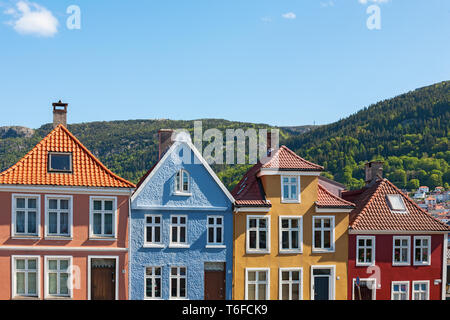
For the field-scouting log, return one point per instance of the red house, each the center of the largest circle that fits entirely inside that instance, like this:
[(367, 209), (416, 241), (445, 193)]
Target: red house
[(63, 223), (397, 251)]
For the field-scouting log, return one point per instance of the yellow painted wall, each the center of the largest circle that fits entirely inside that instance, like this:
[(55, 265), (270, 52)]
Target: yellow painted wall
[(274, 260)]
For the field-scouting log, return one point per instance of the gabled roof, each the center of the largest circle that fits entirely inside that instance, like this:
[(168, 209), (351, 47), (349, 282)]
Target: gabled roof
[(373, 213), (285, 159), (87, 170), (325, 199)]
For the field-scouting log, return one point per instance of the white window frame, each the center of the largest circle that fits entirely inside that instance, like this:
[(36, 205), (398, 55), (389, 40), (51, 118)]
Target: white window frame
[(427, 292), (214, 227), (332, 279), (178, 225), (290, 200), (14, 196), (115, 212), (181, 191), (247, 282), (374, 287), (365, 247), (400, 282), (422, 263), (401, 200), (332, 235), (290, 282), (300, 234), (247, 235), (38, 276), (47, 295), (153, 277), (49, 167), (178, 277), (58, 236), (153, 244), (407, 263)]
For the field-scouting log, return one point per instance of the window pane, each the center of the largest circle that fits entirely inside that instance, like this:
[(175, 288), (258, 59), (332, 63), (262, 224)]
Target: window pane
[(53, 265), (148, 288), (251, 291), (20, 264), (63, 265), (262, 223), (286, 191), (20, 222), (285, 275), (32, 283), (64, 223), (108, 205), (108, 224), (210, 235), (52, 283), (97, 223), (174, 287), (183, 271), (20, 203), (32, 264), (182, 234), (327, 239), (97, 205), (295, 244), (52, 222), (158, 271), (295, 292), (182, 220), (53, 204), (219, 235), (63, 287), (31, 203), (60, 162), (317, 223), (261, 291), (285, 240), (252, 223), (251, 276), (157, 234), (285, 291), (295, 275), (219, 220), (174, 219), (174, 234), (64, 204), (157, 220), (173, 271), (294, 191), (262, 240), (317, 239), (252, 242), (294, 223), (327, 223), (158, 288), (20, 283), (182, 287), (262, 276), (211, 220), (31, 222), (149, 234)]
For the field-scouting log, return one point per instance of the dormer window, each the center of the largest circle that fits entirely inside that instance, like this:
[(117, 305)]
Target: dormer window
[(182, 182), (59, 162), (396, 203)]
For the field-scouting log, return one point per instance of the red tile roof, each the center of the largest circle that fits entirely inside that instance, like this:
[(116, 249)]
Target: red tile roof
[(288, 160), (87, 170), (373, 213), (325, 199)]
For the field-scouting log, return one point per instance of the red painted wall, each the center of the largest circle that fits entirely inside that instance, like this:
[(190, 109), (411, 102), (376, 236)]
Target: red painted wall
[(389, 273), (80, 239)]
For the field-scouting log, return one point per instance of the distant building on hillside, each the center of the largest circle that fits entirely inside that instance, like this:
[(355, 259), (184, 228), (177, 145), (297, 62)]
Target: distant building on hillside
[(423, 189)]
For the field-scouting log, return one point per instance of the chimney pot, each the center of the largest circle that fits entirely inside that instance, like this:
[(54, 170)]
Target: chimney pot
[(59, 113), (374, 170)]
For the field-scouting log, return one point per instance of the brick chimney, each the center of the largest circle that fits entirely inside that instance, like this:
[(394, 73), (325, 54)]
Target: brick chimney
[(165, 141), (59, 114), (374, 170), (272, 141)]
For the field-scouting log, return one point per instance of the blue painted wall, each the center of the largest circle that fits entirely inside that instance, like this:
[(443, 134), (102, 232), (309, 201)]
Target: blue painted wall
[(156, 197)]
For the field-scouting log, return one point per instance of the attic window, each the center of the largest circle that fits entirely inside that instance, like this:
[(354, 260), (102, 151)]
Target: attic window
[(59, 162), (396, 203)]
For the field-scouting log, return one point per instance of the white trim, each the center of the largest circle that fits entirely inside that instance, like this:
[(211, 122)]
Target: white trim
[(332, 235), (116, 258), (299, 193), (427, 282), (153, 225), (64, 189), (445, 262), (178, 208), (267, 270), (400, 282), (179, 225), (70, 218), (394, 232), (421, 263), (275, 172), (115, 212), (153, 277), (332, 210), (280, 282), (372, 263), (13, 216), (198, 155), (408, 262), (61, 248), (69, 281), (252, 209), (332, 280), (374, 287), (247, 235), (215, 226), (180, 182), (300, 236), (38, 275), (178, 277)]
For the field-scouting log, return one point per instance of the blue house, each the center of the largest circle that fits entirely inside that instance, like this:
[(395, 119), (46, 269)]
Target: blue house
[(181, 228)]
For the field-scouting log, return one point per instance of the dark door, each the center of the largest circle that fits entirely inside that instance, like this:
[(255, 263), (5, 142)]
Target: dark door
[(214, 282), (102, 282), (362, 292), (321, 288)]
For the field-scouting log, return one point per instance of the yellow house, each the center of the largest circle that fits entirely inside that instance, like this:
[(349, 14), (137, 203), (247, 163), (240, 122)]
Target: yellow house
[(290, 233)]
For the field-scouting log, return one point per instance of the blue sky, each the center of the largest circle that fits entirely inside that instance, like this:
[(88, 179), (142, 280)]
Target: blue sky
[(237, 59)]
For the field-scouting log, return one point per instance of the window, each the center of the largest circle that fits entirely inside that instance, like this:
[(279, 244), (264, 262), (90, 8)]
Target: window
[(401, 251), (25, 215), (396, 203), (58, 216), (153, 282), (290, 189), (215, 230), (59, 162), (258, 234), (25, 276), (182, 183), (290, 284), (257, 284), (422, 248), (366, 290), (103, 217), (290, 234), (400, 290), (178, 230), (153, 225), (323, 234), (420, 290), (365, 250), (57, 276), (178, 283)]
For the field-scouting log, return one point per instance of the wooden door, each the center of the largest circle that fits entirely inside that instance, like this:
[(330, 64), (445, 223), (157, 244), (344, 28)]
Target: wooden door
[(103, 283), (215, 284), (321, 288)]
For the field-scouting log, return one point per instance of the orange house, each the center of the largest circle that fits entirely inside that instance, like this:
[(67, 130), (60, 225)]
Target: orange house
[(63, 223)]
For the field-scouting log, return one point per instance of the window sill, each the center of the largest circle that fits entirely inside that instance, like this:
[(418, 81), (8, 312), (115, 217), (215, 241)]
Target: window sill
[(182, 194), (58, 298), (179, 246), (63, 238), (178, 299), (290, 201), (153, 299), (17, 237), (323, 251), (25, 298), (215, 246), (422, 264), (156, 246), (401, 264), (103, 238), (257, 252), (291, 251), (371, 264)]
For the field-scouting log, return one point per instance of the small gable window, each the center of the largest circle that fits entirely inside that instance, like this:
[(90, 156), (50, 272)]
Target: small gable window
[(59, 162), (182, 182), (396, 203)]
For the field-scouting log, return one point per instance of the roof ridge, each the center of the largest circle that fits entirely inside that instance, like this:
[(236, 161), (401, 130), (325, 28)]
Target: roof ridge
[(335, 196), (302, 159)]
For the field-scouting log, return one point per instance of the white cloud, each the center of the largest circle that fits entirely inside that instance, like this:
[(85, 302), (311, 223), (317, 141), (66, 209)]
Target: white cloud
[(374, 1), (289, 15), (32, 18)]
